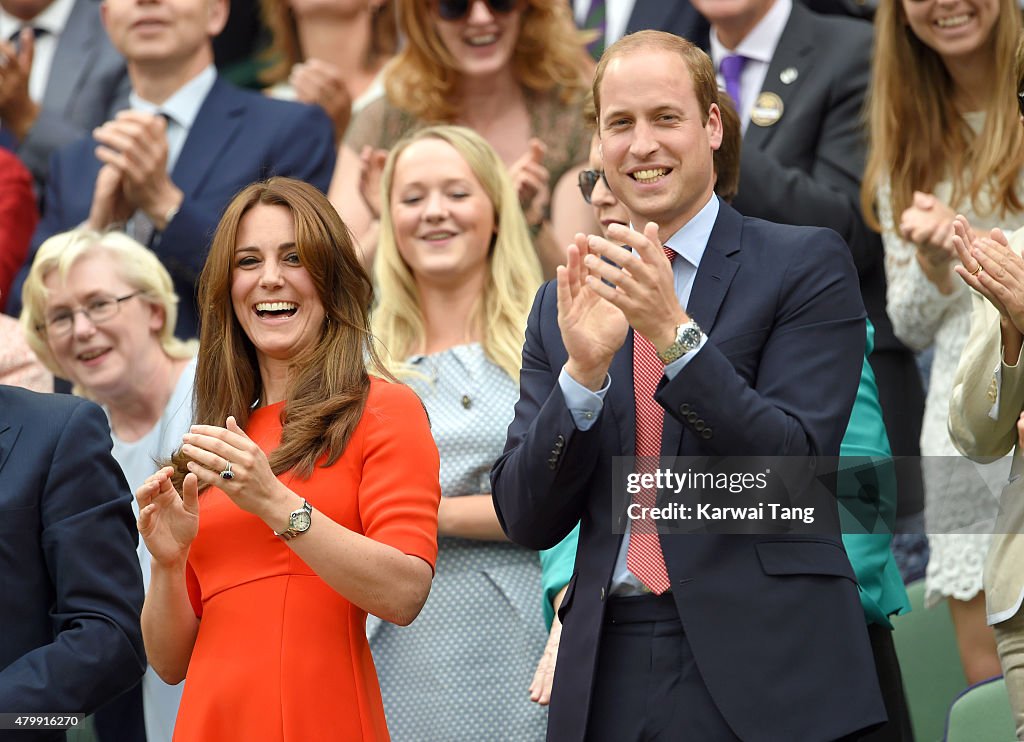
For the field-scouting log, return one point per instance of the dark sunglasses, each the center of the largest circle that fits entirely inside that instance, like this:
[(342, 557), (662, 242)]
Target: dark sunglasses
[(588, 179), (1020, 102), (454, 10)]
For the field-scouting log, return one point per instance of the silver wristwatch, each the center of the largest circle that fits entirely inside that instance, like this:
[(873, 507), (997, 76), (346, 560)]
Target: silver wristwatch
[(688, 337), (298, 522)]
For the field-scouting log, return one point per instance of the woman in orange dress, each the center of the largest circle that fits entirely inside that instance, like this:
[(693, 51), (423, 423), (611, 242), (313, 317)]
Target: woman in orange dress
[(308, 489)]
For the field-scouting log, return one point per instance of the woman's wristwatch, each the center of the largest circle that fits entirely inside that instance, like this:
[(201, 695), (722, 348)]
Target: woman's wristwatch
[(298, 522)]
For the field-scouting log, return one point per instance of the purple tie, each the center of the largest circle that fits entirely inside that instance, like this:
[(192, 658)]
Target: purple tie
[(731, 68)]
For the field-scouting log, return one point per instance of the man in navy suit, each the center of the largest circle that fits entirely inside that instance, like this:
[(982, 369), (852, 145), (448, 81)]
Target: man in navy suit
[(71, 587), (167, 168), (746, 340)]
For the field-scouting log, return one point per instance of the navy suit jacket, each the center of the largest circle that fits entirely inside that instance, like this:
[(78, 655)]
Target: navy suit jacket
[(238, 137), (674, 16), (70, 584), (88, 84), (774, 622)]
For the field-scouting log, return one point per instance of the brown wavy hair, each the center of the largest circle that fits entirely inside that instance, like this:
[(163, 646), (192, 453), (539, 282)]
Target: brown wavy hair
[(918, 138), (550, 54), (285, 51), (329, 381)]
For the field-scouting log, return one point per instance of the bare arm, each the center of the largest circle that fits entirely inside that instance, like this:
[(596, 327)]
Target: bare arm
[(469, 516), (169, 524)]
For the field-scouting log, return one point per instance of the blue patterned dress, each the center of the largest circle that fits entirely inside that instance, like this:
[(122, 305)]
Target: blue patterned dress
[(462, 670)]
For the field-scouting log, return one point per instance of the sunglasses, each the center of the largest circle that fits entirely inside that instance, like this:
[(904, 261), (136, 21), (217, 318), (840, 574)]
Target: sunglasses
[(1020, 102), (455, 10), (588, 179)]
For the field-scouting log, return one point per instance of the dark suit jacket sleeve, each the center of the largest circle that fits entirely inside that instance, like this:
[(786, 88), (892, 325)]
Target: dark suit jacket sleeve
[(88, 542), (538, 503), (807, 369), (827, 193), (52, 131), (303, 148)]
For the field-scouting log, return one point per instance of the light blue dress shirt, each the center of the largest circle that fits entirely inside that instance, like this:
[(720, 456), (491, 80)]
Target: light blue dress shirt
[(585, 405)]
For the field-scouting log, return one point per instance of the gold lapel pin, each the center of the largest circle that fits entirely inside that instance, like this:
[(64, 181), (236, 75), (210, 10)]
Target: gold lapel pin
[(767, 109)]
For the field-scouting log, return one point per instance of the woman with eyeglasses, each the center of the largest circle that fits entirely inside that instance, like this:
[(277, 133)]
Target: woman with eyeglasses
[(515, 71), (99, 310), (944, 140), (456, 275)]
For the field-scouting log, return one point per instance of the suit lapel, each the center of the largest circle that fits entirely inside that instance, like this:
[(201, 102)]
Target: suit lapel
[(795, 52), (78, 46), (717, 269), (216, 123), (8, 435)]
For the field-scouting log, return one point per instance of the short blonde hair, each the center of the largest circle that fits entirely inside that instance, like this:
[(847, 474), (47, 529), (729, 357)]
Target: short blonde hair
[(514, 272), (136, 265)]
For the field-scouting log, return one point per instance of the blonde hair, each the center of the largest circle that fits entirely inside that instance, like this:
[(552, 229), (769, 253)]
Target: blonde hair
[(549, 55), (917, 138), (514, 271), (138, 266)]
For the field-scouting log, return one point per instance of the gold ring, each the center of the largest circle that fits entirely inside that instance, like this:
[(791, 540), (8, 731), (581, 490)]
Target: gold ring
[(977, 270)]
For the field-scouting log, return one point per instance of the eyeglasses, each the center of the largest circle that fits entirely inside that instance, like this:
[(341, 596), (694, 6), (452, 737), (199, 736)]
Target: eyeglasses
[(588, 179), (98, 310), (455, 10)]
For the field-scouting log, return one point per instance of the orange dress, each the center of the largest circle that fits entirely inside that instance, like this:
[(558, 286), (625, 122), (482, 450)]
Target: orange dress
[(279, 654)]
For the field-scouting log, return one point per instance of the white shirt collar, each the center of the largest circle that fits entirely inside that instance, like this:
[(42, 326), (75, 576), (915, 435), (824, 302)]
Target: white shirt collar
[(763, 38), (53, 19), (183, 106)]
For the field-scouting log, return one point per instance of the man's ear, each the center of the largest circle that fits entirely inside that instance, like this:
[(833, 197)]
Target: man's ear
[(714, 126), (216, 16)]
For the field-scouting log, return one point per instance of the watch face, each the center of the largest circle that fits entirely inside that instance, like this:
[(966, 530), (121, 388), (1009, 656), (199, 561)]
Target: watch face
[(300, 520)]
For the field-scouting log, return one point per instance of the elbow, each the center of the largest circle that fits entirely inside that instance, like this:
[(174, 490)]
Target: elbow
[(405, 604), (169, 673)]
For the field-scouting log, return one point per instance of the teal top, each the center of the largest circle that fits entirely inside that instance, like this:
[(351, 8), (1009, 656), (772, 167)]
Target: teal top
[(867, 465)]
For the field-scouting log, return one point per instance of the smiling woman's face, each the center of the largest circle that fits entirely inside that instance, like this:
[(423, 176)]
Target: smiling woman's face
[(482, 42), (273, 295), (443, 217), (101, 356)]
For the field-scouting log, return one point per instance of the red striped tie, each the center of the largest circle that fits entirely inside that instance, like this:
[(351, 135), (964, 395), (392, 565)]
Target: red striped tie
[(643, 556)]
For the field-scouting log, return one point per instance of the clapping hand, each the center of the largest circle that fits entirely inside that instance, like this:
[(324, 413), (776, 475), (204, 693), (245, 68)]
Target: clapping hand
[(17, 109), (136, 144), (371, 170), (928, 223), (593, 329), (991, 267), (168, 522), (228, 459), (532, 182), (322, 84)]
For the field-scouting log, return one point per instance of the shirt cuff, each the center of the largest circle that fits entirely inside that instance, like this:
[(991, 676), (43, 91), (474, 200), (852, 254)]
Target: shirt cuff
[(584, 405)]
